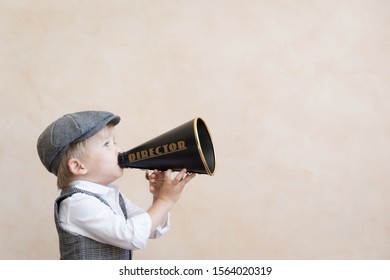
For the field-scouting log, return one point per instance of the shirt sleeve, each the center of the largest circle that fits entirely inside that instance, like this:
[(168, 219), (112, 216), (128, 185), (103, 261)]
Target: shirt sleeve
[(133, 209), (88, 216), (162, 230)]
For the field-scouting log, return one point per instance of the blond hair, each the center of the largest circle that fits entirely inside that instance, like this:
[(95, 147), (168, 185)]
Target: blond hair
[(64, 176)]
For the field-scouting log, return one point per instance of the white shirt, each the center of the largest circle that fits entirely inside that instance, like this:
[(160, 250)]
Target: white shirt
[(85, 215)]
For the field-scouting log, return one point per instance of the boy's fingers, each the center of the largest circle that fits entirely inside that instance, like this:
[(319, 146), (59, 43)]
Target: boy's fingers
[(189, 177), (168, 173), (179, 176)]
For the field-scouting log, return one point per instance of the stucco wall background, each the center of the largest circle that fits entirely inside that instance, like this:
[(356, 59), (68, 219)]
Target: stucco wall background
[(295, 93)]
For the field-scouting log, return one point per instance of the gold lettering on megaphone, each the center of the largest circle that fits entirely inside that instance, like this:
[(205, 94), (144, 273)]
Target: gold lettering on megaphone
[(157, 151)]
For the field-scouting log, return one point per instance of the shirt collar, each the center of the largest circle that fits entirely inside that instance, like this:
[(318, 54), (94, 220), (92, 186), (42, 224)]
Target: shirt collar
[(93, 187)]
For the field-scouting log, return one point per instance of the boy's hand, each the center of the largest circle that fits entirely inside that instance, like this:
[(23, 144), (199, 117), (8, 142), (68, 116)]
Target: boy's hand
[(166, 192), (162, 186), (171, 189), (156, 180)]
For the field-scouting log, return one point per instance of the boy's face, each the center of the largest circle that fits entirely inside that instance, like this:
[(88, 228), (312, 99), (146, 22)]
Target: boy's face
[(101, 157)]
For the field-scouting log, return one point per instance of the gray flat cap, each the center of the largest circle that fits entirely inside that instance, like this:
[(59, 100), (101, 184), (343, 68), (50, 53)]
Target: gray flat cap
[(70, 128)]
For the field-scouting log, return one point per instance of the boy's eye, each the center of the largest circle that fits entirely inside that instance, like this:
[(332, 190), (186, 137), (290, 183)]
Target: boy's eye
[(106, 144)]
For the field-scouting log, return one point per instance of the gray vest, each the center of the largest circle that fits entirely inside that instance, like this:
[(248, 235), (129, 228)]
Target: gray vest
[(77, 247)]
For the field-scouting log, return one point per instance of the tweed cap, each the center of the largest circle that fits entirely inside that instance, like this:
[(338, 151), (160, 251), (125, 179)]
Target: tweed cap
[(70, 128)]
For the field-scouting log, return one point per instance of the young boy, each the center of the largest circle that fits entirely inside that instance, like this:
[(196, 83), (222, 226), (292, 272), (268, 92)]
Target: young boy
[(93, 219)]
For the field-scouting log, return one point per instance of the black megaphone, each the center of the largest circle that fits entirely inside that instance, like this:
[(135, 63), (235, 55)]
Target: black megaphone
[(187, 146)]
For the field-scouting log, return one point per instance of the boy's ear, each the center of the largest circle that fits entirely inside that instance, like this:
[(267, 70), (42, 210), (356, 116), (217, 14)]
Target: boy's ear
[(76, 167)]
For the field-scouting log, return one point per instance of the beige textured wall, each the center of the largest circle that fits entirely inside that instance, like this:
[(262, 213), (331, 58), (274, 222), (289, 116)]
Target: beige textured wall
[(296, 95)]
